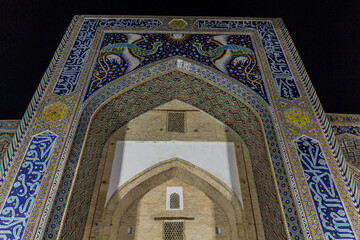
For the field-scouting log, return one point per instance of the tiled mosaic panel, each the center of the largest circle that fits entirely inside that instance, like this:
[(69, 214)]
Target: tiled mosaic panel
[(347, 134), (137, 101), (8, 125), (70, 74), (237, 24), (351, 150), (20, 201), (279, 67), (4, 144), (23, 124), (350, 147), (281, 175), (7, 131), (330, 210), (343, 118), (355, 172), (233, 55), (354, 130)]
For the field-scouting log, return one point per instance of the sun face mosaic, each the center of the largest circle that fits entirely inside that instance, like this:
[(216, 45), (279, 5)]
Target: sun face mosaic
[(247, 61)]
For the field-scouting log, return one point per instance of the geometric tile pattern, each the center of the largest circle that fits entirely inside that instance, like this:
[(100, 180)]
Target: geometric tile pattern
[(341, 119), (19, 204), (283, 67), (326, 197), (281, 71), (8, 125), (71, 71), (147, 96), (347, 187), (338, 129), (351, 149), (7, 132), (286, 85), (346, 128), (231, 54), (4, 144), (34, 103)]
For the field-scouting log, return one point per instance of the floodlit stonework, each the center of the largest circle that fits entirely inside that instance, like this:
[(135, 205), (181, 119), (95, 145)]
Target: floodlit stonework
[(219, 110)]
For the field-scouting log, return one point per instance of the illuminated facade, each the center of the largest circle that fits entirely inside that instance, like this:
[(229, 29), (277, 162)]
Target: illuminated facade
[(174, 127)]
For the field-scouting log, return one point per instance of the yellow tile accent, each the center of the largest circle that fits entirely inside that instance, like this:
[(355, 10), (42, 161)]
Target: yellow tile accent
[(297, 117), (178, 23), (54, 112)]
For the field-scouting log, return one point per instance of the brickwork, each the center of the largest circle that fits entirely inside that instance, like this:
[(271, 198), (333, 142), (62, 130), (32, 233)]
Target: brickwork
[(207, 215), (243, 72), (155, 92), (199, 127)]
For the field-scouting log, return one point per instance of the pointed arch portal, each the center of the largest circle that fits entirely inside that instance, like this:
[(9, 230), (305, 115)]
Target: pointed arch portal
[(160, 173), (149, 94)]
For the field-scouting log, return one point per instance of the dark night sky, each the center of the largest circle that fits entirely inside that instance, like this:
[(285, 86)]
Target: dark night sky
[(326, 35)]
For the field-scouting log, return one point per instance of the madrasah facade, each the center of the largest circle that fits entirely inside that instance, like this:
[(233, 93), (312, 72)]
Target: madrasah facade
[(178, 128)]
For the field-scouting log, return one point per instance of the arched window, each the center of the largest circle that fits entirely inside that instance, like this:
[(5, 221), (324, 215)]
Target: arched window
[(174, 198), (174, 201)]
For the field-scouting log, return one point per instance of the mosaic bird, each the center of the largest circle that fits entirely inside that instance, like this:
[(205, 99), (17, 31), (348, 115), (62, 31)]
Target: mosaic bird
[(223, 55), (131, 53)]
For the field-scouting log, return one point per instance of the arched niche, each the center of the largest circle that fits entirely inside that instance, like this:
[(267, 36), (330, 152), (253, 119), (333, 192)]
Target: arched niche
[(134, 102), (160, 173), (202, 132)]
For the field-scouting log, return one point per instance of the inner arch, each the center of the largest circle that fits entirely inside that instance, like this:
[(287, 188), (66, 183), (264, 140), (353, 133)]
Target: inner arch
[(194, 91), (182, 171)]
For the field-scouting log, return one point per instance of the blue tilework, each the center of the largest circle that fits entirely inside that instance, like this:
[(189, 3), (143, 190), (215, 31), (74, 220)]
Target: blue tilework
[(73, 66), (280, 69), (244, 93), (354, 130), (20, 202), (325, 125), (233, 56), (9, 124), (330, 210), (285, 84), (33, 105)]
